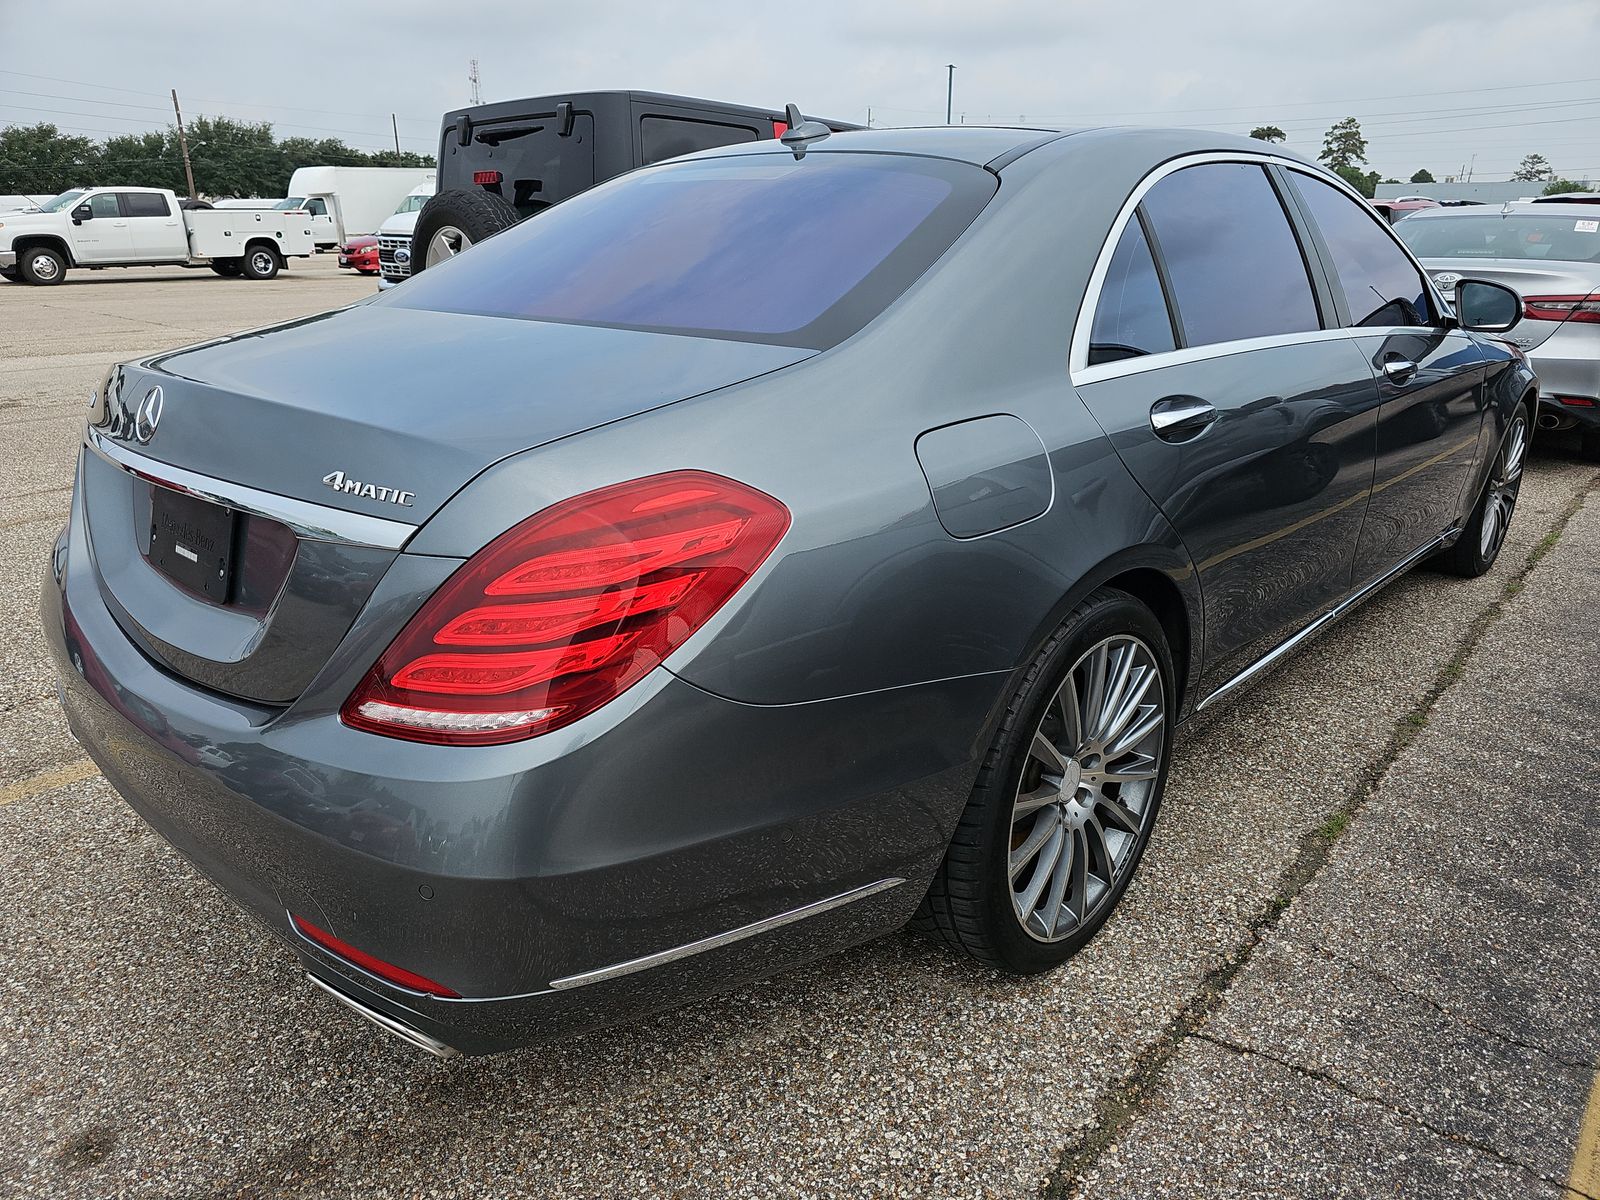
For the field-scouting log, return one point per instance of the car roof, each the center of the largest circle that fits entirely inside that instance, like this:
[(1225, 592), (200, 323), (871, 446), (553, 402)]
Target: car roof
[(1512, 208)]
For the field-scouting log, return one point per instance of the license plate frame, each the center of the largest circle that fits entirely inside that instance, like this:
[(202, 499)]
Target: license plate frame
[(192, 542)]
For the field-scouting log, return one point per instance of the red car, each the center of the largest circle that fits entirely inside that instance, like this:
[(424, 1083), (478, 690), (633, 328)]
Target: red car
[(361, 253)]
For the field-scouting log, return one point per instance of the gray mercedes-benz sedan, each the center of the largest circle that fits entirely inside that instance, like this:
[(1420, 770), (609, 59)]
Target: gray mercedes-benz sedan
[(759, 552)]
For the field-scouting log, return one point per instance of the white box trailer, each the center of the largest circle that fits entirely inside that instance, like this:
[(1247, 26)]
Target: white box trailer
[(130, 227), (346, 202)]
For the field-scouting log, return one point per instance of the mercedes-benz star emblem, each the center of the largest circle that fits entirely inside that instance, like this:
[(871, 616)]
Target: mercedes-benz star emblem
[(148, 416)]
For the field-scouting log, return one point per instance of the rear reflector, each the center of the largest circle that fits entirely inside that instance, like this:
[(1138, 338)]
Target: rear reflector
[(375, 966), (566, 611), (486, 177), (1577, 402), (1583, 309)]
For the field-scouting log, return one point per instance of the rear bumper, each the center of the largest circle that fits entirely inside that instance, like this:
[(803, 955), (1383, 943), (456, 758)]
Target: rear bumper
[(1568, 365), (560, 884)]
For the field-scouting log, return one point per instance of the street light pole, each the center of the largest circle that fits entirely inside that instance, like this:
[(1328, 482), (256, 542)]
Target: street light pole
[(949, 90)]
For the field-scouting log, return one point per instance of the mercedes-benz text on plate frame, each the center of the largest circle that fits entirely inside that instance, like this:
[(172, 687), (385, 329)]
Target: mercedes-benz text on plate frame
[(657, 661)]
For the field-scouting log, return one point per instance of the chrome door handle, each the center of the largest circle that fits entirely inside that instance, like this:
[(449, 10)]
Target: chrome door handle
[(1398, 369), (1179, 418)]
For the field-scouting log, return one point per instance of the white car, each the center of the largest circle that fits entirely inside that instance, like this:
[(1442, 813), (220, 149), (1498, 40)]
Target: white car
[(394, 237)]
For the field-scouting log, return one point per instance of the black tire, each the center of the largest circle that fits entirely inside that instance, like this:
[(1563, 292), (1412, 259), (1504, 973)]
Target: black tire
[(42, 266), (458, 218), (1484, 534), (228, 268), (260, 261), (1589, 444), (969, 904)]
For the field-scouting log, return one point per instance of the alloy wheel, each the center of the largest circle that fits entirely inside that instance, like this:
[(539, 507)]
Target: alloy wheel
[(1505, 479), (447, 243), (1085, 795)]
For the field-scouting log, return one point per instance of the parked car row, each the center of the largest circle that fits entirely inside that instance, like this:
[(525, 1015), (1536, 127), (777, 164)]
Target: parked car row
[(1550, 253)]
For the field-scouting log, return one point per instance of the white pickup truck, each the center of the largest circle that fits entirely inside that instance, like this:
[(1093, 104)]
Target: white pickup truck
[(128, 227)]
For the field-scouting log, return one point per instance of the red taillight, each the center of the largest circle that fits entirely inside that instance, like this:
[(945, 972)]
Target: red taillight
[(779, 128), (562, 613), (486, 177), (376, 966), (1583, 309)]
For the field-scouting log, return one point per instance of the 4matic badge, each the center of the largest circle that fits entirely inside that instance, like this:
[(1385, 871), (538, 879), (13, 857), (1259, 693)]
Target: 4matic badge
[(340, 482)]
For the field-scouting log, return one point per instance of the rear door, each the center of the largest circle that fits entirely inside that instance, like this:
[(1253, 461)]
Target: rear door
[(532, 160), (1248, 422), (1431, 379), (104, 237), (155, 228)]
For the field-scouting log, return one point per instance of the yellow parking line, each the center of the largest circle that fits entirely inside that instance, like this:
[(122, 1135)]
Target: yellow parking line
[(1585, 1177), (47, 781)]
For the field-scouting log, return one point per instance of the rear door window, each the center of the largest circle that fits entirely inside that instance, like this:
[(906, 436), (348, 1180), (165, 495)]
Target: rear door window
[(1231, 256), (760, 247), (1381, 286), (1130, 317), (668, 137), (144, 204)]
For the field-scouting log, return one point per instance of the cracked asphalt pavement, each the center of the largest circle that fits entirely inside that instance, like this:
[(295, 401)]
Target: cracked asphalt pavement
[(1359, 959)]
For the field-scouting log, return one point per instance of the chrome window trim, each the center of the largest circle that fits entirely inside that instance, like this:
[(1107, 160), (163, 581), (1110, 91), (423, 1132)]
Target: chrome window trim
[(1078, 366), (304, 519)]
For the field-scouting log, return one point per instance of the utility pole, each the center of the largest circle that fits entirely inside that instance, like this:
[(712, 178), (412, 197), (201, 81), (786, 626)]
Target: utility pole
[(477, 89), (869, 116), (395, 125), (949, 90), (183, 145)]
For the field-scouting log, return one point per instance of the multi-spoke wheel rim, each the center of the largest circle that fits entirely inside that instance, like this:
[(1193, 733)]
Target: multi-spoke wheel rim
[(1087, 788), (1504, 481), (447, 243)]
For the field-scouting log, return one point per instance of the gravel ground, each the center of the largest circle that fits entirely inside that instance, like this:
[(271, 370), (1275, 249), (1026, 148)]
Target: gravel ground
[(160, 1045), (1422, 1019)]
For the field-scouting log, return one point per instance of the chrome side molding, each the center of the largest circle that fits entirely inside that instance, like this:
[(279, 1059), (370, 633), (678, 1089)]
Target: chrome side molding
[(724, 939), (317, 522), (1283, 648), (411, 1037)]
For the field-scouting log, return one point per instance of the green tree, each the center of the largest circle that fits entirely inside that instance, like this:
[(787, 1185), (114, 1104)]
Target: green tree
[(1269, 133), (1559, 187), (402, 158), (1533, 167), (41, 160), (1343, 146), (141, 159), (1423, 176), (235, 158), (1365, 182)]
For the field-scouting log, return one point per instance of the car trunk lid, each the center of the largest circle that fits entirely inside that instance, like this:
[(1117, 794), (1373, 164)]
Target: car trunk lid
[(312, 449), (1529, 280)]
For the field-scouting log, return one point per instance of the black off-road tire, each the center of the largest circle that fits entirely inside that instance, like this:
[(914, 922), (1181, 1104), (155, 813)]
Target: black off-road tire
[(41, 266), (474, 213), (969, 905)]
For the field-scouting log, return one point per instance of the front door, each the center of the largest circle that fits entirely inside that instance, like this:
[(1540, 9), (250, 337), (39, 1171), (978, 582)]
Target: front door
[(1430, 378), (156, 229), (104, 237), (1247, 422)]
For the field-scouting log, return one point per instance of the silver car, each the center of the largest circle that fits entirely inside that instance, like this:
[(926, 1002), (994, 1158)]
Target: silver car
[(1550, 254)]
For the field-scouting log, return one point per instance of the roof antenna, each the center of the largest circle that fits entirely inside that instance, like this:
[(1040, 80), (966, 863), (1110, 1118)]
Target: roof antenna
[(801, 132)]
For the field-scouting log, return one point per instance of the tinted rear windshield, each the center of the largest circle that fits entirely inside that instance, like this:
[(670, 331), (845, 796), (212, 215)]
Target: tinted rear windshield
[(1560, 239), (760, 248)]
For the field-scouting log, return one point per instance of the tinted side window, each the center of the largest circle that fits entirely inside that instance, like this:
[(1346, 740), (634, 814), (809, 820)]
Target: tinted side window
[(144, 204), (104, 204), (668, 137), (1130, 317), (1380, 285), (1231, 256)]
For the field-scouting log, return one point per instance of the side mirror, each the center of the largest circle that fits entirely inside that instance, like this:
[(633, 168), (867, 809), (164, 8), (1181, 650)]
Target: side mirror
[(81, 214), (1487, 307)]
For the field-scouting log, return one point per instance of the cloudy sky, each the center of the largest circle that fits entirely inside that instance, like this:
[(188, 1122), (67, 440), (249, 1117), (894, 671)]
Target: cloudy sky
[(1434, 84)]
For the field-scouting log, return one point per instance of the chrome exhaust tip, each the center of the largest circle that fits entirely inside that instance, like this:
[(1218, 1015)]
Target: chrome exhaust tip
[(1549, 421), (411, 1037)]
